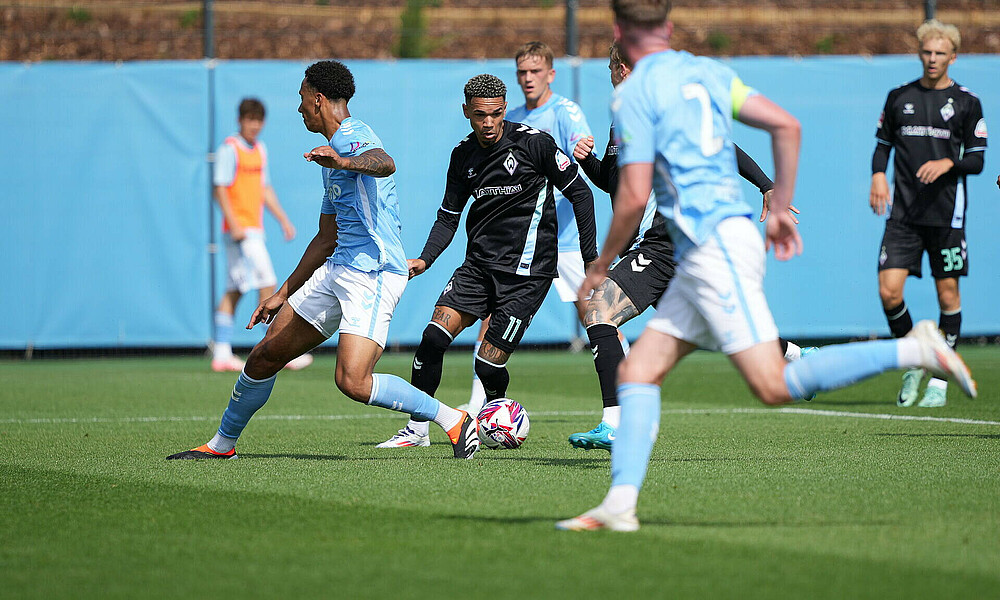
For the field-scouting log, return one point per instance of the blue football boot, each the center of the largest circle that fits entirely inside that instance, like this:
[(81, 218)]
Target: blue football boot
[(601, 437)]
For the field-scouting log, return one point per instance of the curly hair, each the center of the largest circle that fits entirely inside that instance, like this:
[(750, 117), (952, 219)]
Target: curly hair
[(332, 79), (485, 86), (644, 13)]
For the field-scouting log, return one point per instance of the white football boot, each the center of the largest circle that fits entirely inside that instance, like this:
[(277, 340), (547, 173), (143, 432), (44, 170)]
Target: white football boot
[(938, 357), (406, 438)]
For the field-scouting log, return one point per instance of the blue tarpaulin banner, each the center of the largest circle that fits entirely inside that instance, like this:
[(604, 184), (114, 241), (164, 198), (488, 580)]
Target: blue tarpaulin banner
[(104, 187)]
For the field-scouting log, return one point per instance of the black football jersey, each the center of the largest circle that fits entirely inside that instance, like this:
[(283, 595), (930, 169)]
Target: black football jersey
[(923, 125), (604, 174), (511, 224)]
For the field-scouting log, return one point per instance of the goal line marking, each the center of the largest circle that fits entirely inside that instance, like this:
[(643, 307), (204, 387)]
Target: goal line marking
[(540, 413)]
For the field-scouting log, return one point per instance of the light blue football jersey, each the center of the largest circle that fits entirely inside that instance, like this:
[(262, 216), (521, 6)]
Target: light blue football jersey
[(561, 118), (676, 111), (368, 229)]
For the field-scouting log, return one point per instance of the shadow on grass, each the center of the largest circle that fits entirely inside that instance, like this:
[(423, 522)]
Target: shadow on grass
[(667, 523), (981, 436), (602, 460), (298, 456)]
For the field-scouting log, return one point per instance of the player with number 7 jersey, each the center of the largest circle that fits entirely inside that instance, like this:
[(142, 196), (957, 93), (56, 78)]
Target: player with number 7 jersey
[(509, 170)]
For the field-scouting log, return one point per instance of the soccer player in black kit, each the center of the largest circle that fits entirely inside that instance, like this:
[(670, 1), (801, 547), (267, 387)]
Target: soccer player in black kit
[(938, 131), (640, 277), (509, 170)]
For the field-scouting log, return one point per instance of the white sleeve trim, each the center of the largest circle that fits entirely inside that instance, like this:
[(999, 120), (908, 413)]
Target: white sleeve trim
[(570, 181)]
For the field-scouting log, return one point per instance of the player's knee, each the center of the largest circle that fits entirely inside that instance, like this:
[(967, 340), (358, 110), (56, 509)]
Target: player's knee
[(949, 299), (494, 378), (434, 341), (264, 361), (891, 296), (771, 391), (356, 386)]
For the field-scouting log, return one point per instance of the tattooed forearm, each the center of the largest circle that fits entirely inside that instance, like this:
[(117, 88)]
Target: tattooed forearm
[(374, 162)]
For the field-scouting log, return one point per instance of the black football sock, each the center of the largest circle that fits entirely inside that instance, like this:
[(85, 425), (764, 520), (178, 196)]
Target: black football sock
[(425, 374), (495, 379), (608, 354), (950, 324), (899, 319)]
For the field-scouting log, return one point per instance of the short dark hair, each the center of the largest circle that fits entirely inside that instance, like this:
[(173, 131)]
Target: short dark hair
[(615, 54), (251, 108), (485, 86), (332, 79), (641, 12), (539, 49)]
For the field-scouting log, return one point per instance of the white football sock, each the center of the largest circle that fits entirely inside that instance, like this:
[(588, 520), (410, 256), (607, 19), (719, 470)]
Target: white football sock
[(793, 352), (937, 383), (447, 417), (420, 427), (221, 443), (621, 498), (909, 354), (222, 351), (612, 415)]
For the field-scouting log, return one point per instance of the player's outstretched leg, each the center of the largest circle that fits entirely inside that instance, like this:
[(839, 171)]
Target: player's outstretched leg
[(832, 367), (288, 337)]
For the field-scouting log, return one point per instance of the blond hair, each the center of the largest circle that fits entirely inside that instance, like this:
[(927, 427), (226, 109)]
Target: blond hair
[(539, 49), (935, 29)]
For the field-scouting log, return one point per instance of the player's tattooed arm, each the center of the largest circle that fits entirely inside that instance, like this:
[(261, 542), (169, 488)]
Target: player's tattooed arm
[(609, 304), (374, 162)]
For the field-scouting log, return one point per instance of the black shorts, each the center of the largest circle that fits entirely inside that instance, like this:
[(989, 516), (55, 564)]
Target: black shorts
[(644, 273), (511, 300), (903, 247)]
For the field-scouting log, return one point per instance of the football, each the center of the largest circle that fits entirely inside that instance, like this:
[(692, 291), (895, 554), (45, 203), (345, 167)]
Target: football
[(503, 423)]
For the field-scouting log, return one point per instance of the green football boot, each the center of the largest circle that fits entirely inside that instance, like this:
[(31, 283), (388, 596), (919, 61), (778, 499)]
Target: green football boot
[(934, 397), (911, 387)]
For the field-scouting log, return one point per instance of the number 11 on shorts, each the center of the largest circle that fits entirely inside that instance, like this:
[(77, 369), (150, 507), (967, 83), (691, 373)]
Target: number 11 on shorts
[(512, 328)]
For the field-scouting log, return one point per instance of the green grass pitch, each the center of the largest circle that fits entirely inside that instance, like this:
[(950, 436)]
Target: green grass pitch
[(740, 500)]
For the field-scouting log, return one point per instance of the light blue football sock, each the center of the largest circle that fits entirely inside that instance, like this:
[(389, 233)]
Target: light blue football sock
[(248, 396), (640, 424), (833, 367), (394, 393), (223, 327)]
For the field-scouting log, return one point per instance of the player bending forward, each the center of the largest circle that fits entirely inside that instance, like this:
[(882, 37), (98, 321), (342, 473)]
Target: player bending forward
[(674, 121), (640, 278), (349, 278), (509, 169)]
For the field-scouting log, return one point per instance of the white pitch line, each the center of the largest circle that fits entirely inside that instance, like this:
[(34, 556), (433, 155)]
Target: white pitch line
[(540, 413)]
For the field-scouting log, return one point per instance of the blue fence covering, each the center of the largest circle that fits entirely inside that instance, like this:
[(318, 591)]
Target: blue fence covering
[(105, 190)]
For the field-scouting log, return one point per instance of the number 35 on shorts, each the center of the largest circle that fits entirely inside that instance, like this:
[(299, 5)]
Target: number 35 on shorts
[(953, 259)]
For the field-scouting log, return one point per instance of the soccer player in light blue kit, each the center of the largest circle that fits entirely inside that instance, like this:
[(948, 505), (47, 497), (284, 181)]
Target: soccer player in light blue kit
[(674, 121), (350, 278)]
